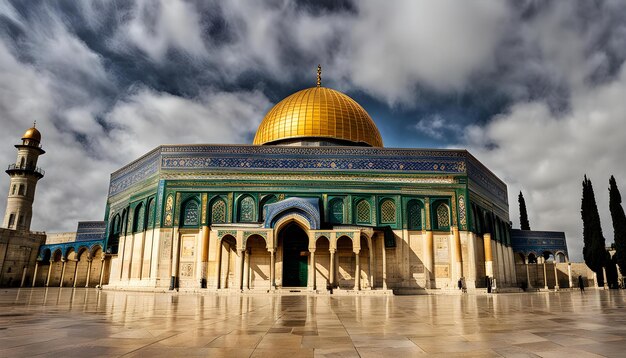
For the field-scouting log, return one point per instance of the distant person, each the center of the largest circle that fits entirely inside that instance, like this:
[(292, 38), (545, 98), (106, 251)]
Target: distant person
[(460, 283), (463, 285), (581, 284)]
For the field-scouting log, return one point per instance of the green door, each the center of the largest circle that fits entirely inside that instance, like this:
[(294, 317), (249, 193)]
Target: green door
[(295, 257)]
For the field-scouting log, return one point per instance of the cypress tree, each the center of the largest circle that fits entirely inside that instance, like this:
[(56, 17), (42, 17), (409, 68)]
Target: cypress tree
[(594, 251), (523, 215), (619, 224)]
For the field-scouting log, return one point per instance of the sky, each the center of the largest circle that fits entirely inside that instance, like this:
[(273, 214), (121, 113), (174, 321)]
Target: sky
[(536, 90)]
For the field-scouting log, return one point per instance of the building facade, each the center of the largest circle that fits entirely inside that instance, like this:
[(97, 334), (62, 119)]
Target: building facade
[(315, 202)]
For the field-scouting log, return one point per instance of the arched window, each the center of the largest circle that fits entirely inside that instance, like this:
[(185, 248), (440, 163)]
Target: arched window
[(22, 163), (363, 212), (388, 212), (336, 211), (246, 209), (14, 189), (443, 216), (218, 212), (190, 214), (138, 218), (20, 190), (11, 220), (414, 215)]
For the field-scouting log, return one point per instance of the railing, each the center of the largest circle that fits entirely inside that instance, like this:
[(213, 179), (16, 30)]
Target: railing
[(27, 168)]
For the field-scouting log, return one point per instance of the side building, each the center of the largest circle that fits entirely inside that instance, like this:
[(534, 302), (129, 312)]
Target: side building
[(18, 244)]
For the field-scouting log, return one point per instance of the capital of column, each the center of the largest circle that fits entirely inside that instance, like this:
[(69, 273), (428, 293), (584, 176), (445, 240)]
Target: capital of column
[(311, 250)]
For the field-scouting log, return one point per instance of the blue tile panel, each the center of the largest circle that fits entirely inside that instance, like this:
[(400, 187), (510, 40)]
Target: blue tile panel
[(66, 246), (250, 158), (90, 230), (528, 241)]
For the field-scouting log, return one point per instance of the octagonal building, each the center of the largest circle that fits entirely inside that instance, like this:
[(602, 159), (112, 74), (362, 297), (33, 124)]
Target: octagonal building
[(315, 202)]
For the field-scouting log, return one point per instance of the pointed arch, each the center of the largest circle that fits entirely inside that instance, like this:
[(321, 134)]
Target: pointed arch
[(218, 211), (363, 214), (246, 209), (414, 214), (190, 213), (268, 199), (388, 214), (336, 211)]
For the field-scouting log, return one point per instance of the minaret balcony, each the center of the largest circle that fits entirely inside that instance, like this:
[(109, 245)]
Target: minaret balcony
[(25, 169)]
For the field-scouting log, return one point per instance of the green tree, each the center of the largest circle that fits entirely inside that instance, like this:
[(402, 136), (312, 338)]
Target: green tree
[(619, 224), (523, 215), (594, 251)]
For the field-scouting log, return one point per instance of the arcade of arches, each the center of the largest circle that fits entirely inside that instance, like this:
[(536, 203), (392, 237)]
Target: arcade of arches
[(82, 267)]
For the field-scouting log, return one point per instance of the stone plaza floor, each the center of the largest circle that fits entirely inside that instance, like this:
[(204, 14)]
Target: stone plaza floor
[(65, 322)]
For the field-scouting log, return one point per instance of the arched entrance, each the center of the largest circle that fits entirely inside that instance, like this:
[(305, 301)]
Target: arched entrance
[(295, 255)]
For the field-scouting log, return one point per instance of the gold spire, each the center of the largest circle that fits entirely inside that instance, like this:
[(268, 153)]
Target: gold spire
[(35, 124), (319, 75)]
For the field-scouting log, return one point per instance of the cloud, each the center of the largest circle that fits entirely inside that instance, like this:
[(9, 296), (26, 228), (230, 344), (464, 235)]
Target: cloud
[(546, 156)]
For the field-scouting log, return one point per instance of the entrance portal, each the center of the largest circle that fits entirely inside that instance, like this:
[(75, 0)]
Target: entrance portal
[(295, 256)]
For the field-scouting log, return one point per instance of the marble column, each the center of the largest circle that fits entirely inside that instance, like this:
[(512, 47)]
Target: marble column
[(75, 273), (203, 256), (545, 275), (62, 272), (606, 284), (246, 272), (488, 255), (556, 277), (89, 261), (175, 261), (357, 275), (242, 261), (272, 269), (35, 273), (458, 258), (370, 267), (313, 285), (384, 259), (24, 271), (429, 261), (569, 275), (530, 285), (101, 272), (218, 269), (332, 267), (49, 272)]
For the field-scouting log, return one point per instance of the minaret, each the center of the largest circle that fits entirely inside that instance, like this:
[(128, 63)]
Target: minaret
[(24, 177)]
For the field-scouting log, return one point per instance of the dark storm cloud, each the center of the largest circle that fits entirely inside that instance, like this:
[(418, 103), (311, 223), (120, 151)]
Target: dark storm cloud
[(515, 81)]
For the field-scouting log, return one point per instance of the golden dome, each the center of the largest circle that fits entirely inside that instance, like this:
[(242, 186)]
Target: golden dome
[(32, 133), (318, 112)]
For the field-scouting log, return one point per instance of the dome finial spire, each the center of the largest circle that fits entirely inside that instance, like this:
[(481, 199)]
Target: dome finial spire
[(319, 75), (35, 124)]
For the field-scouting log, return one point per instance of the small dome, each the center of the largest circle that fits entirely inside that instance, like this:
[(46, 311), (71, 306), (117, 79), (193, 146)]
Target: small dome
[(318, 113), (33, 134)]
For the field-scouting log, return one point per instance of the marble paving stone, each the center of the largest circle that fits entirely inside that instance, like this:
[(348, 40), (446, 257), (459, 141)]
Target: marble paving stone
[(60, 322)]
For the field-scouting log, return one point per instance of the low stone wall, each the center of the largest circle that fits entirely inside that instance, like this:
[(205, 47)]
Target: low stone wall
[(18, 252)]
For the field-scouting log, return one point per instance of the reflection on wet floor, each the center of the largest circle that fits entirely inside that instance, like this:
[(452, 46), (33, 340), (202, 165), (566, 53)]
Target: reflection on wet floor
[(88, 322)]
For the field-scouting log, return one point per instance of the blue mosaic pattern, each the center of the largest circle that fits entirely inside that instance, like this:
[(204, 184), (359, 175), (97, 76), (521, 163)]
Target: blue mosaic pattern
[(306, 159), (308, 206), (91, 230), (528, 241), (66, 246)]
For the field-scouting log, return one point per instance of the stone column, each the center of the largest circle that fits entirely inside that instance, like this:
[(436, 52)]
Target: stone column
[(272, 269), (35, 273), (312, 263), (429, 266), (384, 257), (246, 279), (218, 269), (89, 261), (101, 271), (49, 272), (488, 255), (62, 272), (203, 256), (457, 253), (370, 267), (530, 285), (606, 285), (242, 262), (332, 267), (357, 276), (569, 275), (175, 261), (142, 252), (75, 273), (24, 271), (556, 277), (545, 275)]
